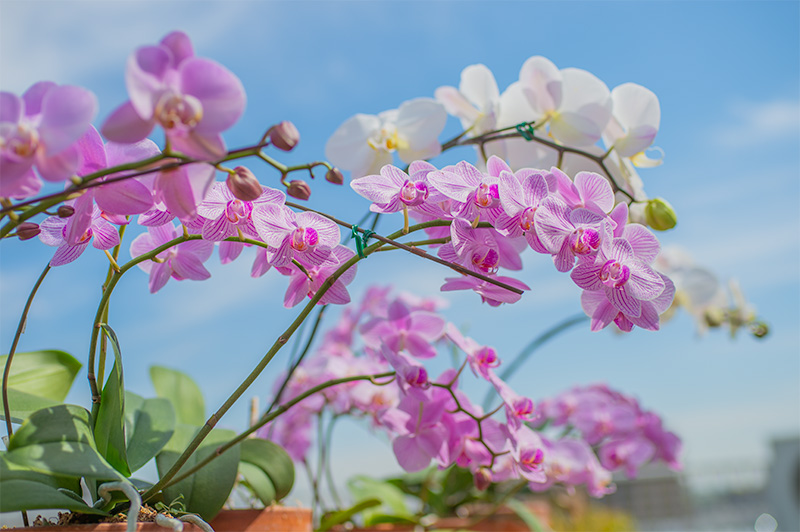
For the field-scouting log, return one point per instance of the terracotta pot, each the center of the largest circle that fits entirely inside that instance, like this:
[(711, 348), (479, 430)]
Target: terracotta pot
[(272, 519)]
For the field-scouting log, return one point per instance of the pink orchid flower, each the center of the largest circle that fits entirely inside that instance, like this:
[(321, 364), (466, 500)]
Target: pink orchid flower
[(404, 329), (184, 261), (225, 215), (192, 98), (72, 243), (40, 130), (302, 284), (306, 236)]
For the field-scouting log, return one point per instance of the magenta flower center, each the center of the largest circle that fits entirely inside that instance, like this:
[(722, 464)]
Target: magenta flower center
[(487, 262), (486, 356), (526, 218), (304, 239), (487, 195), (417, 377), (530, 459), (613, 274), (18, 141), (238, 211), (584, 241), (523, 407), (413, 193), (178, 111)]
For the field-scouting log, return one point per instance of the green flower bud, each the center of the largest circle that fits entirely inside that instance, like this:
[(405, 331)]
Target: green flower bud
[(660, 215)]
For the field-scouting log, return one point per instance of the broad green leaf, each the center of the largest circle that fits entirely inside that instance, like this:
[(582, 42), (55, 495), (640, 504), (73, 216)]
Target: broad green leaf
[(149, 424), (11, 471), (37, 380), (207, 490), (184, 393), (392, 498), (24, 404), (337, 518), (59, 440), (273, 460), (109, 428), (17, 495), (258, 481)]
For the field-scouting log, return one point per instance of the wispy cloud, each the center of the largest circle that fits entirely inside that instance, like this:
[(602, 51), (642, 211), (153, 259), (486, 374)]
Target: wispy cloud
[(759, 122)]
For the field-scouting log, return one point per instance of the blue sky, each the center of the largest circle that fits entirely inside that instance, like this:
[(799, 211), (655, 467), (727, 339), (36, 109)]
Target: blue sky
[(727, 78)]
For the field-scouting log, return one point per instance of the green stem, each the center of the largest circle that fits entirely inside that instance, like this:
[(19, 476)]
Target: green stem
[(20, 328), (534, 345), (269, 416), (416, 251), (296, 364), (328, 469), (279, 343)]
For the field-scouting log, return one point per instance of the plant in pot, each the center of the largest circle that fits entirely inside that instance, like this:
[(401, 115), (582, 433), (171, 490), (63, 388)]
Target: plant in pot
[(585, 211)]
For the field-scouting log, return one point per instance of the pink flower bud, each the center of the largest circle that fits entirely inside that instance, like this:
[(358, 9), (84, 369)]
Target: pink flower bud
[(243, 184), (284, 136), (299, 189), (65, 211), (334, 175), (482, 479), (27, 230)]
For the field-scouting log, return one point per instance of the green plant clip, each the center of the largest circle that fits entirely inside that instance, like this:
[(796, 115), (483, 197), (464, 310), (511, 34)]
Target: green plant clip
[(361, 239), (526, 130)]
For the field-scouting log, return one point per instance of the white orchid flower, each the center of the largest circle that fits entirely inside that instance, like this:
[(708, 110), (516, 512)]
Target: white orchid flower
[(575, 103), (363, 144), (634, 123), (476, 101)]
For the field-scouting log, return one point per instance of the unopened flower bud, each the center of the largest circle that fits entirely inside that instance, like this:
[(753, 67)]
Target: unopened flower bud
[(284, 136), (27, 230), (714, 317), (65, 211), (299, 189), (243, 184), (660, 215), (482, 479), (759, 329), (334, 175)]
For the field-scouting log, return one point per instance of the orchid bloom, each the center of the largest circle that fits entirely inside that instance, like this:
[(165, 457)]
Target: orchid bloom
[(404, 329), (305, 284), (365, 143), (476, 101), (634, 123), (184, 261), (72, 235), (306, 235), (194, 99), (575, 103), (225, 214), (41, 129)]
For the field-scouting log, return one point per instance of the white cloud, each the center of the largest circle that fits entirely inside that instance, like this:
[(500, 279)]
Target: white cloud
[(71, 42), (759, 122)]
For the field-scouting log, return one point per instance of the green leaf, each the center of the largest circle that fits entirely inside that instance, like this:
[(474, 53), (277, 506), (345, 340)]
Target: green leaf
[(37, 380), (273, 460), (207, 490), (59, 440), (184, 393), (337, 518), (149, 424), (528, 517), (258, 482), (109, 428), (18, 495), (393, 500), (11, 471)]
